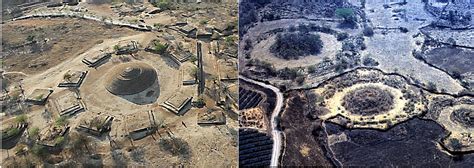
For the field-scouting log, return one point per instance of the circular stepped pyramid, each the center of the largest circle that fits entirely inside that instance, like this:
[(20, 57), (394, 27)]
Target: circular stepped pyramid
[(130, 78)]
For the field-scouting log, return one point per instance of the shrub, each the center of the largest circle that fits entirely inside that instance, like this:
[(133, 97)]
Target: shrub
[(21, 119), (455, 143), (312, 69), (303, 28), (229, 40), (200, 102), (368, 31), (61, 121), (163, 4), (368, 61), (175, 146), (157, 25), (294, 45), (33, 132), (432, 86), (342, 36), (159, 47), (116, 47), (30, 38), (39, 151), (203, 22), (288, 73), (248, 44), (348, 46), (300, 80), (12, 131), (59, 140), (403, 29)]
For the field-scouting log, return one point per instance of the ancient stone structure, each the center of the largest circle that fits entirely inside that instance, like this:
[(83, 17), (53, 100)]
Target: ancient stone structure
[(130, 78), (96, 126), (73, 78), (141, 127), (96, 60), (211, 118), (39, 96), (178, 103), (66, 103)]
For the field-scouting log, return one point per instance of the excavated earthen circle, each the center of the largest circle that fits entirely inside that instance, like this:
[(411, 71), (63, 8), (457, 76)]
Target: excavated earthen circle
[(368, 101), (130, 78)]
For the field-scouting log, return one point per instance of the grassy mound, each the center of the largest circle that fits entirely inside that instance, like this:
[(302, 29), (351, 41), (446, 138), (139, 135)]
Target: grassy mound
[(368, 101)]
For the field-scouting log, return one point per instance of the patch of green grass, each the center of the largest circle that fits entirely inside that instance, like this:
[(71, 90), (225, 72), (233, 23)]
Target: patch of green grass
[(33, 132), (203, 22), (59, 140), (21, 119), (163, 5), (12, 131), (61, 121)]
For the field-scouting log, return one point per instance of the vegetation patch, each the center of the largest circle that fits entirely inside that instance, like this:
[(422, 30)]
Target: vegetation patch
[(368, 100), (465, 116), (296, 44), (175, 146)]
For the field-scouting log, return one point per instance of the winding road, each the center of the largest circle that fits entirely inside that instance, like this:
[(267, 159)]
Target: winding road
[(276, 133)]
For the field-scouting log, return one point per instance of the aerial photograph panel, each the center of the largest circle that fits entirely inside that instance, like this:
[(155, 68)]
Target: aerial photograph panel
[(119, 83), (342, 83)]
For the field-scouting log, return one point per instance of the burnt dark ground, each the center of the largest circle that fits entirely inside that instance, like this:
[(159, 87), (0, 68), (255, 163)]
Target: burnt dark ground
[(414, 143), (300, 130), (410, 144), (458, 61)]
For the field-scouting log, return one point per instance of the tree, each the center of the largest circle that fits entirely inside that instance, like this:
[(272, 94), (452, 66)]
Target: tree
[(347, 14)]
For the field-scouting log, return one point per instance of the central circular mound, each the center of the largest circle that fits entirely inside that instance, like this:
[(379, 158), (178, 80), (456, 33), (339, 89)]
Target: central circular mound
[(130, 78), (296, 44), (465, 116), (368, 100)]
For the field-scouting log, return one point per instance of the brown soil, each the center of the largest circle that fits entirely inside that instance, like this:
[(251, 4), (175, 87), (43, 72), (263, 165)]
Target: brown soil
[(57, 40)]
